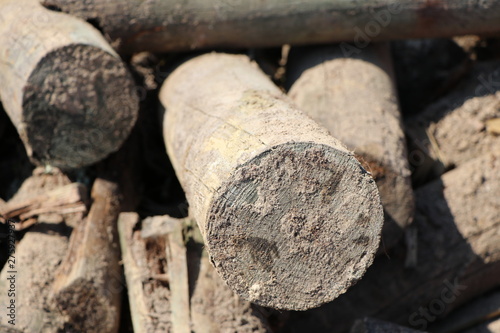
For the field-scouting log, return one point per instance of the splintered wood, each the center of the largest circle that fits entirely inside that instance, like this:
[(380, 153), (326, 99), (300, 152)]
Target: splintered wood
[(155, 265)]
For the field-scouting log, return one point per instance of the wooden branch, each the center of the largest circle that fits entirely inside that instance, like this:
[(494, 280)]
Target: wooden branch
[(279, 202), (66, 91), (454, 129), (355, 100), (88, 284), (371, 325), (458, 256), (160, 26)]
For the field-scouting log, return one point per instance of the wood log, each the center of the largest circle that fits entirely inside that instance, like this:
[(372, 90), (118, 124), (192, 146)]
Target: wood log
[(458, 257), (371, 325), (66, 91), (476, 316), (35, 264), (355, 100), (280, 203), (454, 129), (88, 284), (160, 26)]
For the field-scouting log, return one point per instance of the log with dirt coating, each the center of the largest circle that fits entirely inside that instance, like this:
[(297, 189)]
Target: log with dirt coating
[(355, 100), (64, 88), (290, 218), (163, 26), (458, 127), (458, 256)]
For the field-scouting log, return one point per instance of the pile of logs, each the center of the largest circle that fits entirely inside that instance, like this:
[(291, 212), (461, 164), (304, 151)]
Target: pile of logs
[(280, 169)]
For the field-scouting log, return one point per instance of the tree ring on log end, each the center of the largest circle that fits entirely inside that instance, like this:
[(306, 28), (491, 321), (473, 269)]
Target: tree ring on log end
[(295, 226), (79, 105)]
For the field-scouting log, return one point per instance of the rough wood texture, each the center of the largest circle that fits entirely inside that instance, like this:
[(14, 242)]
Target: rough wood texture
[(355, 100), (280, 203), (213, 306), (66, 91), (454, 130), (371, 325), (458, 257), (88, 284), (160, 26), (36, 264)]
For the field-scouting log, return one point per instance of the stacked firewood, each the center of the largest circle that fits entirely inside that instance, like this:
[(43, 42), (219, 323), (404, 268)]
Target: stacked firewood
[(301, 174)]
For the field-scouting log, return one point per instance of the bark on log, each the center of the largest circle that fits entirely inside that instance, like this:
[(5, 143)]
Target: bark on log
[(160, 26), (88, 284), (454, 130), (458, 257), (355, 100), (370, 325), (66, 91), (280, 204)]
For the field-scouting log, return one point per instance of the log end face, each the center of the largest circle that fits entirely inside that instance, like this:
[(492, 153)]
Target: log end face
[(79, 105), (295, 227)]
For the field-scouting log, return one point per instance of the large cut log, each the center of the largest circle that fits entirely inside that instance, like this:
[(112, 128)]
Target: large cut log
[(355, 100), (289, 216), (458, 257), (458, 127), (160, 26), (66, 91)]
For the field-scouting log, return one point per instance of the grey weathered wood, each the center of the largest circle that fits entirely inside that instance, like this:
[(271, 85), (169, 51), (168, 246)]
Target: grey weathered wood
[(355, 100), (280, 203), (162, 26), (66, 91), (458, 256)]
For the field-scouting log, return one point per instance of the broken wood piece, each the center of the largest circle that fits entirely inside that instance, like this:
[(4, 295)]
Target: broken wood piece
[(160, 26), (34, 264), (66, 91), (458, 256), (354, 98), (133, 251), (371, 325), (66, 199), (88, 284), (280, 203), (454, 129), (214, 307)]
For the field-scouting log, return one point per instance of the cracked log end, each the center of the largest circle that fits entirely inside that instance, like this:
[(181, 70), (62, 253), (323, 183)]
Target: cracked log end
[(79, 105), (295, 226)]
